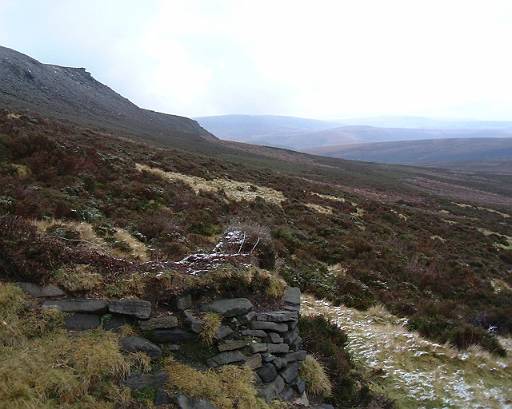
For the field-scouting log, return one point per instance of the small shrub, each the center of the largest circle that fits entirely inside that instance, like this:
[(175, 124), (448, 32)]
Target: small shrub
[(211, 324), (317, 381)]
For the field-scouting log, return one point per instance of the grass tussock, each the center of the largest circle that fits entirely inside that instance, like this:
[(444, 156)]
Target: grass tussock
[(41, 366), (317, 381), (78, 278), (227, 388), (211, 324)]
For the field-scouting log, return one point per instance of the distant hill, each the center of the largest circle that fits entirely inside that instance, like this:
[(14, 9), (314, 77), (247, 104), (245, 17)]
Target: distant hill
[(469, 153), (304, 134), (73, 94), (270, 130)]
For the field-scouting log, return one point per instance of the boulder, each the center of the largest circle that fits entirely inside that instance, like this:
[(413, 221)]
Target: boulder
[(225, 358), (230, 307), (291, 373), (77, 305), (38, 291), (81, 322), (141, 381), (278, 348), (139, 344), (184, 402), (232, 345), (292, 296), (254, 361), (171, 336), (267, 373), (269, 326), (137, 308), (162, 322)]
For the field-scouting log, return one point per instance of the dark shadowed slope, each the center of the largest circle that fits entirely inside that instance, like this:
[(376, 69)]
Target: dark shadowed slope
[(73, 94), (477, 153)]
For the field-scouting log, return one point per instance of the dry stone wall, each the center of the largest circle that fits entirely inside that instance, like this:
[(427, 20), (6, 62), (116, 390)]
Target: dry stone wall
[(267, 341)]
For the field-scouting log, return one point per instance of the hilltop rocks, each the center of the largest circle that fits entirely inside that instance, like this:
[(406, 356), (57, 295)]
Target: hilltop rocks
[(77, 305), (230, 307), (139, 344), (137, 308)]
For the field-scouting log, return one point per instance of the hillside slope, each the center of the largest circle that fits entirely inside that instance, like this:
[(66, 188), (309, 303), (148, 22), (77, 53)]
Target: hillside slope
[(473, 153), (73, 94)]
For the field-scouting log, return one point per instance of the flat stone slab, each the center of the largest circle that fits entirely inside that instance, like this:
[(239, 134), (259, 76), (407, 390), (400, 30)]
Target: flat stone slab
[(278, 316), (275, 338), (292, 296), (171, 336), (38, 291), (139, 344), (278, 348), (225, 358), (258, 347), (77, 305), (163, 322), (230, 307), (81, 322), (257, 333), (296, 356), (141, 381), (231, 345), (269, 326), (137, 308)]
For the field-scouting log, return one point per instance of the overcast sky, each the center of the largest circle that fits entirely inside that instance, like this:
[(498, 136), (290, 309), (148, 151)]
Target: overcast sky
[(324, 59)]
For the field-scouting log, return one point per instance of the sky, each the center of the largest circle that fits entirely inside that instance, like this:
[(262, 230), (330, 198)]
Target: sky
[(319, 58)]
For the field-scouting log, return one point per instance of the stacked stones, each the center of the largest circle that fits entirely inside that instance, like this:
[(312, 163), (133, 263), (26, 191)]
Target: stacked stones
[(267, 342)]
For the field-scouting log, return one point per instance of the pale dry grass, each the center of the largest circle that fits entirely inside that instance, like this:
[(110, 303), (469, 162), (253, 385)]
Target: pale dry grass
[(90, 239), (329, 197), (229, 387), (234, 190), (317, 381), (42, 366), (319, 208)]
